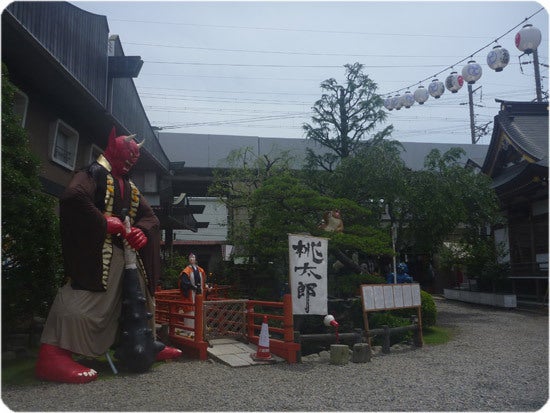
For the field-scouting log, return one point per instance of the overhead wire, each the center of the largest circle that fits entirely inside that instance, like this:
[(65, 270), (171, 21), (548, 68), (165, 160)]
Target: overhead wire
[(294, 30), (468, 57), (281, 66), (271, 102), (300, 53)]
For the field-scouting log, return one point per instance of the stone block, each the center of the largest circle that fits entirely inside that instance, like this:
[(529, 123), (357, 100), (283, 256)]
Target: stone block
[(361, 353), (339, 354)]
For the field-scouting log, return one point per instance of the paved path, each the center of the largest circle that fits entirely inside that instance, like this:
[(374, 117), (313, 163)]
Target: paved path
[(497, 360), (236, 354)]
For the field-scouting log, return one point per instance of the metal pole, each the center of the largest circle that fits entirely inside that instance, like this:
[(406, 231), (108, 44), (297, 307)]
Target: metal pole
[(393, 237), (537, 75), (471, 105)]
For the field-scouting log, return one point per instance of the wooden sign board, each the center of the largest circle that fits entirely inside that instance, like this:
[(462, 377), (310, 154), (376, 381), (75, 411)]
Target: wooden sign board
[(379, 297), (376, 297)]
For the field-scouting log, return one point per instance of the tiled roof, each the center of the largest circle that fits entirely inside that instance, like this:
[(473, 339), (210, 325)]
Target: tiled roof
[(529, 132), (525, 125)]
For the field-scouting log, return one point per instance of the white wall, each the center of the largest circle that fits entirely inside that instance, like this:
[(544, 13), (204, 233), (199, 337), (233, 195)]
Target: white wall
[(215, 212)]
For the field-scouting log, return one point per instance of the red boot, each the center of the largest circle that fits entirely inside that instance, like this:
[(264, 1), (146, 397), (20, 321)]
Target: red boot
[(56, 364), (169, 353)]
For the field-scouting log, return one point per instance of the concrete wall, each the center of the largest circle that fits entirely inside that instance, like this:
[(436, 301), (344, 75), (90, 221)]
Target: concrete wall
[(496, 300)]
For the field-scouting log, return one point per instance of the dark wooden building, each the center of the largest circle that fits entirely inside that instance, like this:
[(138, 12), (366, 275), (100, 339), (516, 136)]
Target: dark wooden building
[(74, 84), (517, 162)]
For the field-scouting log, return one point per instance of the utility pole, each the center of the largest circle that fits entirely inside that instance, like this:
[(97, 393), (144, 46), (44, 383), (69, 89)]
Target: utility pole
[(393, 238), (471, 105), (537, 75)]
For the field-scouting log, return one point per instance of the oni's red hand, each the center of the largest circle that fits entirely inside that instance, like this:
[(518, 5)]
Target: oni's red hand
[(136, 238), (114, 225)]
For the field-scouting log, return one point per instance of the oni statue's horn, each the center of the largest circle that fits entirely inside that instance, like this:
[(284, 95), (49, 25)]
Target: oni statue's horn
[(141, 143), (129, 137)]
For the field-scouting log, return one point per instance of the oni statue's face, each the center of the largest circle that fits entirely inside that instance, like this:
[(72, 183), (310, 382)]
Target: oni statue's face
[(122, 152)]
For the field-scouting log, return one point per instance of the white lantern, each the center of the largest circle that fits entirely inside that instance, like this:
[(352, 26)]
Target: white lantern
[(407, 99), (421, 95), (454, 82), (388, 103), (528, 39), (471, 72), (436, 88), (498, 58), (396, 102)]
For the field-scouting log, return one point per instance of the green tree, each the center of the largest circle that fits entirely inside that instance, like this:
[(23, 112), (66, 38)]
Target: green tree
[(375, 177), (344, 116), (30, 241), (284, 204), (447, 196), (234, 183), (274, 202), (425, 206)]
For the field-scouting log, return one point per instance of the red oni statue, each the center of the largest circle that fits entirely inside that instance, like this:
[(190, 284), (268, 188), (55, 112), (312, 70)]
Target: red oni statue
[(84, 317), (122, 153)]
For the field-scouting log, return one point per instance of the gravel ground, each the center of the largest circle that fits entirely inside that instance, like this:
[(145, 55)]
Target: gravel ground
[(497, 360)]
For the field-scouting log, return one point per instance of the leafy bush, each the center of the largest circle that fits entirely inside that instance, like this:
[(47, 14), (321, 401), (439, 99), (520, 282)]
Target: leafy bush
[(427, 309), (172, 271), (345, 286), (31, 256), (389, 318)]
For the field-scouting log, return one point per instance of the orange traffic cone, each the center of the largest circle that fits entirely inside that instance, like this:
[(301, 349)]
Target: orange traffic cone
[(263, 353)]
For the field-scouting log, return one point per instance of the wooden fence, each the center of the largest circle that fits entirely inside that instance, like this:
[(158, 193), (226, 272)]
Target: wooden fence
[(188, 323)]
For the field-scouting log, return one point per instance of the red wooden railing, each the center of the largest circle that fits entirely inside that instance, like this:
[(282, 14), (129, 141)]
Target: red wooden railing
[(280, 322), (173, 309)]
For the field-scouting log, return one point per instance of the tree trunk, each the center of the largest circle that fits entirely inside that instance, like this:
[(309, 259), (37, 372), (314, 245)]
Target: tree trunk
[(347, 261)]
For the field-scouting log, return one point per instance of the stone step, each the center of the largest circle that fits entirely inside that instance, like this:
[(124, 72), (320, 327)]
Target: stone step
[(235, 353)]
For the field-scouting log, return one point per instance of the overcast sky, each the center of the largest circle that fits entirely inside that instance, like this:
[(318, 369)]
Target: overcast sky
[(254, 68)]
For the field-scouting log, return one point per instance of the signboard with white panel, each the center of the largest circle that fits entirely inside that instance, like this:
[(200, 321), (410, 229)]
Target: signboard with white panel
[(380, 297)]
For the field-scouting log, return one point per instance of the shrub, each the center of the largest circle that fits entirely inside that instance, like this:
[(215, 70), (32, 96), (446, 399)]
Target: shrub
[(31, 254), (379, 319), (427, 309), (345, 286), (172, 271)]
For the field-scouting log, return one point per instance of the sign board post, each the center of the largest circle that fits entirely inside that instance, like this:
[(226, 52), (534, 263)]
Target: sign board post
[(379, 297)]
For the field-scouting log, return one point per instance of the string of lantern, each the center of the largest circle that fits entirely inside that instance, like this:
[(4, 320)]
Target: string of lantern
[(527, 40)]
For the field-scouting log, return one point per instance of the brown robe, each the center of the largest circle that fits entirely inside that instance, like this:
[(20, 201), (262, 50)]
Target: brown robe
[(83, 229)]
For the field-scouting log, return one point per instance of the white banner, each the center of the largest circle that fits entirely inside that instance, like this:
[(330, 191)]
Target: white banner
[(308, 274)]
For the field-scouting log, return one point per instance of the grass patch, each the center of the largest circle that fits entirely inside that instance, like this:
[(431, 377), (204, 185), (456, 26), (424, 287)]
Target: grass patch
[(436, 335), (20, 372)]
